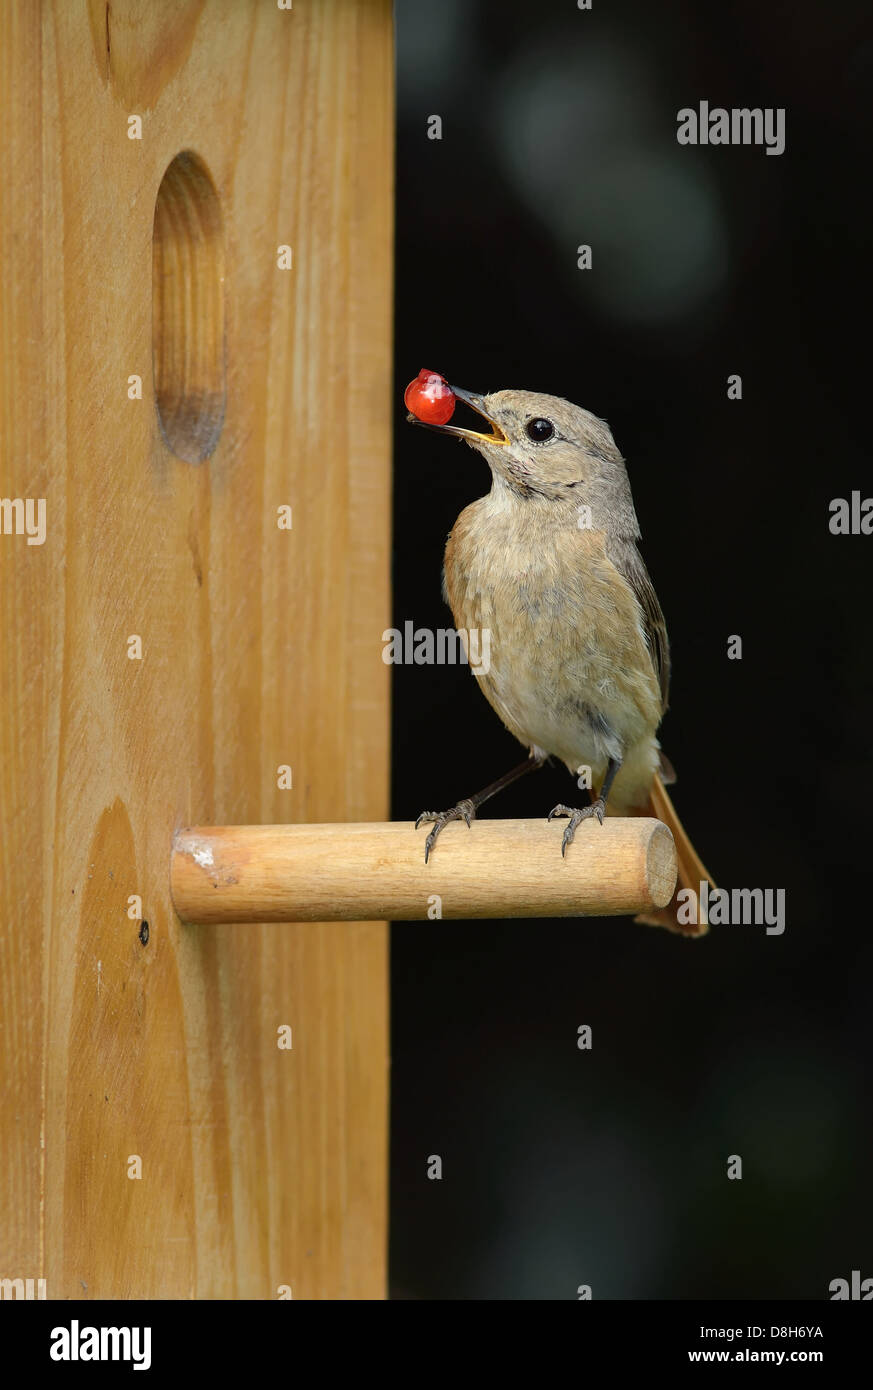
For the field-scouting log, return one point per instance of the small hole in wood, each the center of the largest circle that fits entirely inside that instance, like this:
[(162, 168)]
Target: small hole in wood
[(188, 309)]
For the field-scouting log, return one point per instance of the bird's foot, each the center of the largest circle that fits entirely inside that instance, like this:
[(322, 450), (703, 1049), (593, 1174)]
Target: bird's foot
[(597, 808), (465, 810)]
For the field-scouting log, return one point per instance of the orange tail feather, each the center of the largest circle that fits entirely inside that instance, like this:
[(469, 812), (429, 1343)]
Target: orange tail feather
[(691, 869)]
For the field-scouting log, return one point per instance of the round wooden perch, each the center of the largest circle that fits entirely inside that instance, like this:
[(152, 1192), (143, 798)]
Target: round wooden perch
[(376, 871)]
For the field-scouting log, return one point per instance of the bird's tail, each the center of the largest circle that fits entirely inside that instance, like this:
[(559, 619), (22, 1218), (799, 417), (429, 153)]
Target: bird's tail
[(691, 871)]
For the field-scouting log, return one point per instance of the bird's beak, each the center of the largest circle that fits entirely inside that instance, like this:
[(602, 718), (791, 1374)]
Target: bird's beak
[(496, 435)]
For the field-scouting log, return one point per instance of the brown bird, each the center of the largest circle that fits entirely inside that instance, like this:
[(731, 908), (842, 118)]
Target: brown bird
[(578, 664)]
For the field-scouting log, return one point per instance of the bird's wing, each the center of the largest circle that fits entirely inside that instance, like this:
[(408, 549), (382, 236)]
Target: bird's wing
[(629, 563)]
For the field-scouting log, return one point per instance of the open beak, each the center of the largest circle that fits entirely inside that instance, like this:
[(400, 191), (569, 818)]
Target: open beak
[(495, 436)]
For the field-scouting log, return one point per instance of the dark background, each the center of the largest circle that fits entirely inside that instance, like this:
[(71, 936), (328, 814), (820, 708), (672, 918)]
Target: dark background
[(608, 1167)]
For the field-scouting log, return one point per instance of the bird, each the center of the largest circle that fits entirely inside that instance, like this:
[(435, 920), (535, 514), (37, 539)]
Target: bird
[(547, 564)]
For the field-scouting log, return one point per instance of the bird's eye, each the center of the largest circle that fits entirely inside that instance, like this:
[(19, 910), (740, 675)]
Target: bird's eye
[(539, 430)]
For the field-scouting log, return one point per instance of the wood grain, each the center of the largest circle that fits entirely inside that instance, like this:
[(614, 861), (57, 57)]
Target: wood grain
[(260, 647), (493, 868)]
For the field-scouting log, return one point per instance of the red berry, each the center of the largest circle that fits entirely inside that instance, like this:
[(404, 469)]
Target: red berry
[(430, 398)]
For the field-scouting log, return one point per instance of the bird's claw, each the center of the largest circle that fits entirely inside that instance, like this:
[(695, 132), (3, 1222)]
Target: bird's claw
[(577, 816), (465, 811)]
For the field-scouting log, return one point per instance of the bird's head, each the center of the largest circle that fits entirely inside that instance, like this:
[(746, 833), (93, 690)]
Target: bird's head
[(543, 447)]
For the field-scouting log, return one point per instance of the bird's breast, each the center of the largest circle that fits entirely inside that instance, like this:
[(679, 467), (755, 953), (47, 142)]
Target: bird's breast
[(569, 669)]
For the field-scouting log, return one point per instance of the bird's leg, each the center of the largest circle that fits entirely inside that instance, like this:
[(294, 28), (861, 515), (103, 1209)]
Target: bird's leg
[(466, 809), (597, 807)]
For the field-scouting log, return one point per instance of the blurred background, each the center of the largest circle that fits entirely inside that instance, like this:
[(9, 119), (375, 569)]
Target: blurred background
[(608, 1167)]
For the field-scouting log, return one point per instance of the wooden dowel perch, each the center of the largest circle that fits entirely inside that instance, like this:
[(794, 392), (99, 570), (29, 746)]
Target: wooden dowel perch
[(376, 871)]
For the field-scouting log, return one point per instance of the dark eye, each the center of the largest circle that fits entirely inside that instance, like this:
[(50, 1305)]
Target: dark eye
[(539, 430)]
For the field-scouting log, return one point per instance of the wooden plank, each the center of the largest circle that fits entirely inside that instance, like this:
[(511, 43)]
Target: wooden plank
[(260, 647)]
